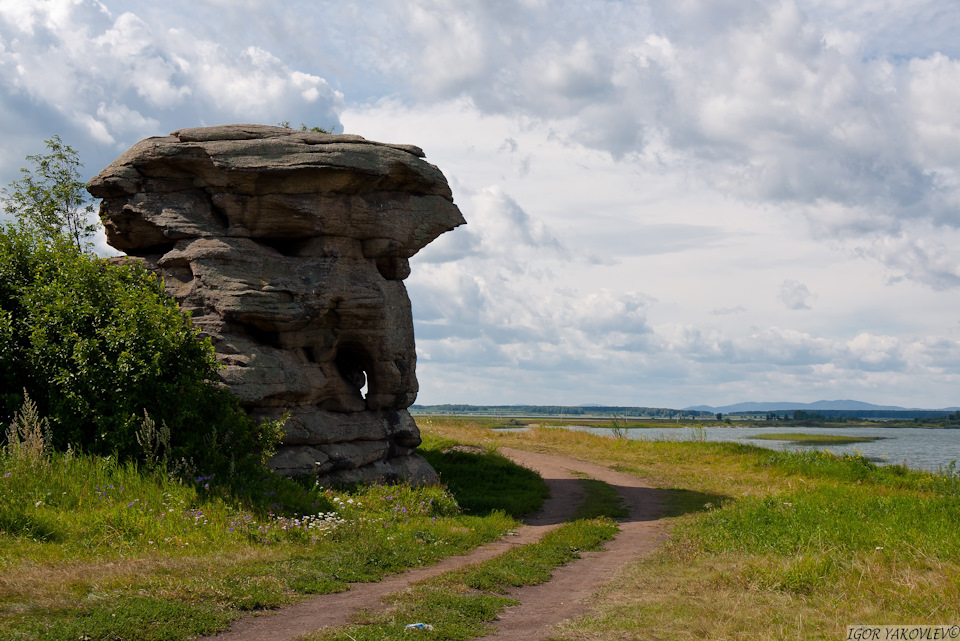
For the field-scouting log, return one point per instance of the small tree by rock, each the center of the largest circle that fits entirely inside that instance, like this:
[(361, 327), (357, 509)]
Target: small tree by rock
[(99, 347), (50, 198)]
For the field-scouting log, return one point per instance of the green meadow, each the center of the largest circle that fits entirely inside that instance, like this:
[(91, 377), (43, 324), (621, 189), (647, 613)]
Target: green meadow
[(767, 544), (763, 544), (95, 549)]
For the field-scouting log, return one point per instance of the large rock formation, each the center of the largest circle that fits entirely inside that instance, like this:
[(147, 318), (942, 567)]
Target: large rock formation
[(290, 249)]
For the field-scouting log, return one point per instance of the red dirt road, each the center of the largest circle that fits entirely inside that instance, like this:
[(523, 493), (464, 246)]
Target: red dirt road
[(541, 606)]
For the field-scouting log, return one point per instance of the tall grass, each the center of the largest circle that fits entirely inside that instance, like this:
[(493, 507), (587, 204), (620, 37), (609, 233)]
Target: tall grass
[(840, 520), (856, 468), (94, 548)]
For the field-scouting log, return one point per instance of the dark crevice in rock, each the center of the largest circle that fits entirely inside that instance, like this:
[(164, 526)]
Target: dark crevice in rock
[(393, 267), (219, 214), (153, 250), (355, 366), (263, 337), (286, 246)]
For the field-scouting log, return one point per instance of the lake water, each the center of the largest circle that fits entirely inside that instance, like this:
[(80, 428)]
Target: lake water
[(917, 448)]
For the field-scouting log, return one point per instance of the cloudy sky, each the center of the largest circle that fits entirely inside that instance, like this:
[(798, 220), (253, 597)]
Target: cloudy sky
[(668, 203)]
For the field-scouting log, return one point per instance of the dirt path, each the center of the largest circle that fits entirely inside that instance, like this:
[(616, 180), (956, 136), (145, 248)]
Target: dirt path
[(563, 597), (541, 606)]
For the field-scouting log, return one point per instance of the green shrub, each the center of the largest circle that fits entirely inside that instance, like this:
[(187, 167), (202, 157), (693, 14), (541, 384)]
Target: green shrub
[(98, 345)]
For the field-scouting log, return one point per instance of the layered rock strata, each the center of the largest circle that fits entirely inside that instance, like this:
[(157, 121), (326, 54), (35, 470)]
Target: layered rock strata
[(290, 248)]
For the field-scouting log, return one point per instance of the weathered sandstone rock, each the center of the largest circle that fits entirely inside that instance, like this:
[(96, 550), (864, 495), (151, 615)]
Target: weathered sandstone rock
[(290, 249)]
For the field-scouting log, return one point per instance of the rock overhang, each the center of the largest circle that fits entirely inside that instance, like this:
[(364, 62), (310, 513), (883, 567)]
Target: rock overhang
[(289, 248)]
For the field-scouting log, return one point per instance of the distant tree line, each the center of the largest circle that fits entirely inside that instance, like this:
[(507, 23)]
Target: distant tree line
[(835, 416), (564, 410)]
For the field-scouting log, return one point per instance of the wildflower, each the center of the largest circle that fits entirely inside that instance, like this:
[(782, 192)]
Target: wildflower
[(38, 504), (8, 475)]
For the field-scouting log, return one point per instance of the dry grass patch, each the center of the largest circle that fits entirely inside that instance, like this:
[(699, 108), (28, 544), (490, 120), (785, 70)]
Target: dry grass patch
[(732, 597), (49, 587), (684, 606)]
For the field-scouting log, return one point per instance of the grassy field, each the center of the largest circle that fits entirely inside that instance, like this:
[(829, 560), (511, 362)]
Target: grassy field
[(767, 544), (93, 549), (764, 544)]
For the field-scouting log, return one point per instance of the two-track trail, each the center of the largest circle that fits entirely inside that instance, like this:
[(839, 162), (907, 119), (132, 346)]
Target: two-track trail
[(541, 606)]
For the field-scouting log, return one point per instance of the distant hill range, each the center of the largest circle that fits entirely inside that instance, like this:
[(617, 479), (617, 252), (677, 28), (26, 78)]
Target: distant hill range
[(825, 409), (787, 406), (586, 410)]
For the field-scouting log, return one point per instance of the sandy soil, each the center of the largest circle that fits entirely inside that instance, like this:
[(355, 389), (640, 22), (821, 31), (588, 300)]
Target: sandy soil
[(541, 606)]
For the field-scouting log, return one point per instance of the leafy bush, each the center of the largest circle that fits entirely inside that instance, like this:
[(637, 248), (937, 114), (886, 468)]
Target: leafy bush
[(100, 348)]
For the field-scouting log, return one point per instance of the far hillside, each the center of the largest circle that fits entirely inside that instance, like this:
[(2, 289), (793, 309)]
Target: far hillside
[(869, 414), (588, 411)]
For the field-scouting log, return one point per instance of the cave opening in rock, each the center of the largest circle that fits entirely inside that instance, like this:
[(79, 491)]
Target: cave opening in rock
[(262, 336), (159, 249), (355, 367), (286, 246)]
